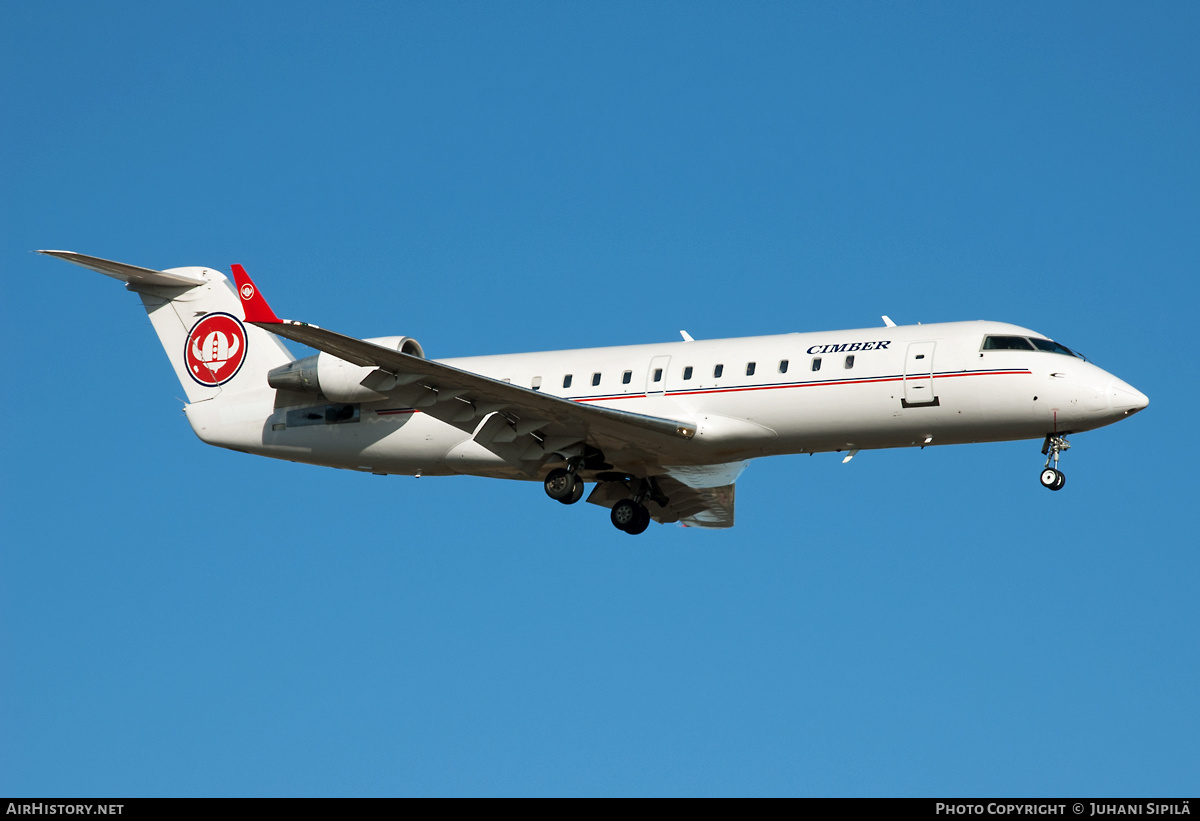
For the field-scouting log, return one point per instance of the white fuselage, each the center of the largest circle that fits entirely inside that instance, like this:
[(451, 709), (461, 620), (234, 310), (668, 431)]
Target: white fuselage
[(906, 386)]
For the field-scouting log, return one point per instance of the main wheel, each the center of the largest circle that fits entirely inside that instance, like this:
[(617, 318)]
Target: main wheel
[(1062, 480), (1049, 478), (576, 494), (639, 524), (560, 484), (624, 514)]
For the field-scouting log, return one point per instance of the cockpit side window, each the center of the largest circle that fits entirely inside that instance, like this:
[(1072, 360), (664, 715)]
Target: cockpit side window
[(1006, 343)]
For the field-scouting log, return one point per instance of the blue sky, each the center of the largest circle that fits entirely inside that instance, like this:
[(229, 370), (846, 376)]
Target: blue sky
[(181, 620)]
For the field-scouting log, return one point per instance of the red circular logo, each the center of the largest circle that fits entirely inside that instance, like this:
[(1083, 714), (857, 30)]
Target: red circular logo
[(215, 349)]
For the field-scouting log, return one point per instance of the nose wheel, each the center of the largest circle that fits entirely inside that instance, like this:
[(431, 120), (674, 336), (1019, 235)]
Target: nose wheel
[(1052, 477)]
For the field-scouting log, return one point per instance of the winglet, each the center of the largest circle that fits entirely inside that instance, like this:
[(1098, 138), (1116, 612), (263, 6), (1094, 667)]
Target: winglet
[(256, 308), (887, 320)]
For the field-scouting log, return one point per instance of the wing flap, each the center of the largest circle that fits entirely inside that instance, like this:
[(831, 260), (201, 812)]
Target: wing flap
[(710, 507)]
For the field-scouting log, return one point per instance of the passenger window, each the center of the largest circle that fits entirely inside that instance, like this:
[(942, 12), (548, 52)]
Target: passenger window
[(783, 363), (717, 371), (850, 361), (658, 374), (595, 379), (626, 377), (537, 383), (750, 368), (567, 381), (816, 363), (687, 372)]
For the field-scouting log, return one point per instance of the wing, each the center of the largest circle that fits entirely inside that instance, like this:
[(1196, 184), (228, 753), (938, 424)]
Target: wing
[(520, 425), (526, 427)]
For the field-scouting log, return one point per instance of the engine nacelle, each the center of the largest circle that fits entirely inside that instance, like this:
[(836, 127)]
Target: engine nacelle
[(403, 344), (339, 380)]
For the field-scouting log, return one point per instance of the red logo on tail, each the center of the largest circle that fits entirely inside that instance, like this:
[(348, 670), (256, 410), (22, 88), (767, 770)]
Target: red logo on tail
[(215, 349)]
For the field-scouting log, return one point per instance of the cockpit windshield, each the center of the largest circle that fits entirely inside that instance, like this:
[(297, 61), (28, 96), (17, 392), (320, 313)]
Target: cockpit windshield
[(1025, 343), (1053, 347)]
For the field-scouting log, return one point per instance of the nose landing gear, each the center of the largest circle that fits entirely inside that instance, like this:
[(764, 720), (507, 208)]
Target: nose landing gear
[(1052, 477)]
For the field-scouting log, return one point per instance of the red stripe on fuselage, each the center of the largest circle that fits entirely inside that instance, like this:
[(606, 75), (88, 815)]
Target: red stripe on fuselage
[(868, 381)]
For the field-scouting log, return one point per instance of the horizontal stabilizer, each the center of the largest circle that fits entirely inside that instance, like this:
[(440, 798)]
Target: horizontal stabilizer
[(132, 274)]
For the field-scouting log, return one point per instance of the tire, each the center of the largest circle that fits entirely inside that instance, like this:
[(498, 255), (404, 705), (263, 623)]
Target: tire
[(576, 494), (624, 514), (560, 484), (1049, 478), (1062, 480), (640, 523)]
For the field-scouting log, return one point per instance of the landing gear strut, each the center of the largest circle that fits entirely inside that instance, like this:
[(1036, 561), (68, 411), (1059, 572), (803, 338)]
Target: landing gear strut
[(1052, 477)]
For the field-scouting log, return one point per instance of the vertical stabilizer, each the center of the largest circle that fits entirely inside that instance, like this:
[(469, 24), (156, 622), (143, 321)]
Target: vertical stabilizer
[(199, 321)]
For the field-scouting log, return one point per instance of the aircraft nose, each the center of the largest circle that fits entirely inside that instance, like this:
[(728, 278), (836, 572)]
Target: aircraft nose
[(1126, 399)]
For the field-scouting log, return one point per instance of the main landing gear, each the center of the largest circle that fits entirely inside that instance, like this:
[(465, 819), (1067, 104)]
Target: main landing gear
[(1052, 477), (563, 485), (629, 515)]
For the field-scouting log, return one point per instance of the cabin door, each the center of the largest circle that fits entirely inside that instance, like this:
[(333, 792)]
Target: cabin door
[(918, 374)]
